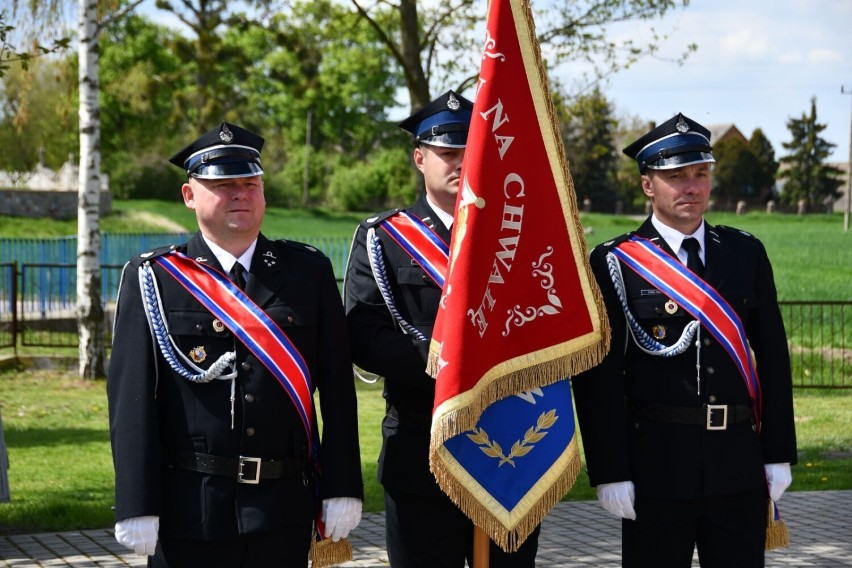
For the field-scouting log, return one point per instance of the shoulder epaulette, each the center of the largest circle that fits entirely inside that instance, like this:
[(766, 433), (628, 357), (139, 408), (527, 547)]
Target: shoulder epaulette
[(142, 257), (374, 220), (616, 241), (734, 231), (299, 246)]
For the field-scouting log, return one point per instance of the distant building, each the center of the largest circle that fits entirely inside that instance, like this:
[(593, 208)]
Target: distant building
[(841, 202), (722, 132), (45, 193)]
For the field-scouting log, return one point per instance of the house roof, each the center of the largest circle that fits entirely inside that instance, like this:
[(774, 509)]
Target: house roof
[(719, 132)]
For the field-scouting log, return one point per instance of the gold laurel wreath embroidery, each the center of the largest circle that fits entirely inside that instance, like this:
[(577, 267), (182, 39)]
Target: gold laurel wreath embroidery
[(520, 448)]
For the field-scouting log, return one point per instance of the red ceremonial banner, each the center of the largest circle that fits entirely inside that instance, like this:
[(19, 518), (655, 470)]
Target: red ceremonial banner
[(520, 308)]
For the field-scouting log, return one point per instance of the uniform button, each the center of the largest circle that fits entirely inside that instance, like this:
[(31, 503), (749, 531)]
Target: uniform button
[(249, 397), (245, 366), (289, 319), (706, 341), (635, 425), (711, 370), (249, 431), (711, 398), (198, 327)]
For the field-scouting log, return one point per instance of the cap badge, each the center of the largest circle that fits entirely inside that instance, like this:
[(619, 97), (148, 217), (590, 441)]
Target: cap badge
[(453, 103), (198, 354), (670, 307), (682, 126), (225, 135)]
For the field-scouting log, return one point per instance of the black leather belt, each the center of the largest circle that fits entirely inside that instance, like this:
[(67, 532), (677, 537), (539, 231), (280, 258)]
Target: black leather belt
[(711, 416), (244, 469), (410, 418)]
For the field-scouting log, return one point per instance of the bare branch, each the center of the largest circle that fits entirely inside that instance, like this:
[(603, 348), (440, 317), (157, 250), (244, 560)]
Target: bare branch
[(118, 14)]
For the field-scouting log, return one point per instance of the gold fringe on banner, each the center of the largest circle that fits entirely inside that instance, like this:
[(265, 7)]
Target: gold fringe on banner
[(326, 552), (777, 535), (449, 421), (510, 540)]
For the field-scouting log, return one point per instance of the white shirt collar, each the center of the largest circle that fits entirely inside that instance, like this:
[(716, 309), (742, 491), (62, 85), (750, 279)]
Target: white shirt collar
[(674, 238), (443, 216), (227, 260)]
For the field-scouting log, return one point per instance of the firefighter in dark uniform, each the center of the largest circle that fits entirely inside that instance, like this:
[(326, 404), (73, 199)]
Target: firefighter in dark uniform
[(674, 441), (391, 305), (214, 464)]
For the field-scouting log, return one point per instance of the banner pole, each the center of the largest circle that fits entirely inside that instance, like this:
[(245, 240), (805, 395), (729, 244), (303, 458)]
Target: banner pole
[(481, 547)]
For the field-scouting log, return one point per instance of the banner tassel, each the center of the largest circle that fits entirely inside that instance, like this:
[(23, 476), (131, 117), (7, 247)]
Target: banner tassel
[(326, 552), (777, 535)]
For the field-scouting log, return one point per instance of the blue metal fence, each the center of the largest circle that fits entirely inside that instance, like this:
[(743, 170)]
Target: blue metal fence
[(38, 302), (116, 249), (38, 281), (8, 298)]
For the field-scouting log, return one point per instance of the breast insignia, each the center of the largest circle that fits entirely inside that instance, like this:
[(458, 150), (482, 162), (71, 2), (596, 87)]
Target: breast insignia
[(198, 354)]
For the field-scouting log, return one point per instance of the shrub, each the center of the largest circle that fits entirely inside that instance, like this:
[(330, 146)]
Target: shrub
[(146, 177), (383, 181)]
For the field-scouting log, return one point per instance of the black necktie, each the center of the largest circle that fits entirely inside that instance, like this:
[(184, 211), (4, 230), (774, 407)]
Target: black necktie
[(238, 275), (693, 261)]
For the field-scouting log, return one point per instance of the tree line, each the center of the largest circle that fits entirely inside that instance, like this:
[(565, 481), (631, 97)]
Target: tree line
[(319, 80)]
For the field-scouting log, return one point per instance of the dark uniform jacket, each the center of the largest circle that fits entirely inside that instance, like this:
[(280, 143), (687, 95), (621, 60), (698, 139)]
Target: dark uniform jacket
[(381, 347), (154, 412), (684, 461)]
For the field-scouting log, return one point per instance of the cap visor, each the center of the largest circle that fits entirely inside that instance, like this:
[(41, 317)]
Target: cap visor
[(228, 170)]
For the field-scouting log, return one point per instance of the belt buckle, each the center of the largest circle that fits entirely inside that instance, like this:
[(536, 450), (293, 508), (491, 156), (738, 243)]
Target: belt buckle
[(241, 478), (710, 409)]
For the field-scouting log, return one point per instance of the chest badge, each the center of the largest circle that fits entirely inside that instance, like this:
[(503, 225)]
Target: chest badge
[(659, 331), (218, 326), (198, 354), (670, 307)]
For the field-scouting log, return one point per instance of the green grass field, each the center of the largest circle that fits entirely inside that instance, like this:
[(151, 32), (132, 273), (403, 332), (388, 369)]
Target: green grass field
[(56, 426)]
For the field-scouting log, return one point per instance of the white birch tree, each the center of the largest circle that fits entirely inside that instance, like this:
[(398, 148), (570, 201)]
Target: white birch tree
[(90, 311)]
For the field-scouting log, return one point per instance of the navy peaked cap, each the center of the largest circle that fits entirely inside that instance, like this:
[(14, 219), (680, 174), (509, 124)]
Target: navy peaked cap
[(227, 151), (678, 142), (443, 122)]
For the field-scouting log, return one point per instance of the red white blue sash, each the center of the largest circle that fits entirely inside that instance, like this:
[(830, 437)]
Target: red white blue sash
[(248, 322), (699, 299), (421, 243)]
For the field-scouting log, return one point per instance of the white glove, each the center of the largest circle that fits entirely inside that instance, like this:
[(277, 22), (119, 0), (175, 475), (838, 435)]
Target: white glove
[(138, 534), (778, 477), (340, 515), (617, 498)]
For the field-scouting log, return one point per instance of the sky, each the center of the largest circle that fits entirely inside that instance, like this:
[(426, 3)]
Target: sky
[(758, 64)]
